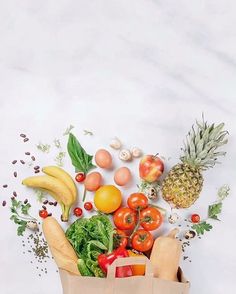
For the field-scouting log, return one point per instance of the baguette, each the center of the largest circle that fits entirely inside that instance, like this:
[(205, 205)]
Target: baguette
[(61, 249)]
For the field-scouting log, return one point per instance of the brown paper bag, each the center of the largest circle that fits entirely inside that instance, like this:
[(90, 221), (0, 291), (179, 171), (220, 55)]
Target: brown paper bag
[(147, 284)]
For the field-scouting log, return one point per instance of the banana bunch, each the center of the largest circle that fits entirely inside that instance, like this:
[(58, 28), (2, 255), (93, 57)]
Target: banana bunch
[(59, 184)]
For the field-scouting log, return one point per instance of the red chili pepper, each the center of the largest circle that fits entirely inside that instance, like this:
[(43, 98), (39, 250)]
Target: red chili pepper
[(104, 260)]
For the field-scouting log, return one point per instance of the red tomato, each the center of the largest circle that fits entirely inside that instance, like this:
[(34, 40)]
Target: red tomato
[(125, 218), (195, 218), (43, 213), (137, 201), (121, 238), (78, 211), (88, 205), (142, 240), (80, 177), (150, 218)]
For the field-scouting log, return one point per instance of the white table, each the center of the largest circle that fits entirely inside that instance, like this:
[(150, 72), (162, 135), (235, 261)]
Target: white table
[(139, 70)]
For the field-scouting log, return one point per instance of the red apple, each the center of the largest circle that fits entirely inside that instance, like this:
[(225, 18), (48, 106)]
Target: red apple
[(151, 168)]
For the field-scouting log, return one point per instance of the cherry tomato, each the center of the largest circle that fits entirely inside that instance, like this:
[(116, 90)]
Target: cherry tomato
[(88, 205), (151, 218), (43, 213), (120, 238), (142, 240), (78, 211), (137, 201), (195, 218), (80, 177), (125, 218)]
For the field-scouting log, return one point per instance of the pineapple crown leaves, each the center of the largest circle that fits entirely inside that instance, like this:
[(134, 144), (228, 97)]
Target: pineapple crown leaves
[(201, 144)]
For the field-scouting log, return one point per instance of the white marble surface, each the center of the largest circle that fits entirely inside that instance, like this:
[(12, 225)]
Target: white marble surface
[(140, 70)]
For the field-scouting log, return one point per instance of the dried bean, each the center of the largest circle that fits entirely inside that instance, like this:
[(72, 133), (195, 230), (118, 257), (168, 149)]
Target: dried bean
[(26, 139), (15, 174), (27, 153), (26, 201), (14, 161), (37, 167), (45, 202), (44, 207), (33, 158), (23, 135), (50, 203), (5, 186), (4, 203), (37, 171), (22, 161), (55, 203)]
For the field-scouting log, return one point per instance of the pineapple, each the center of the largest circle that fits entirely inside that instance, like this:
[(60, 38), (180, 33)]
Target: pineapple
[(183, 184)]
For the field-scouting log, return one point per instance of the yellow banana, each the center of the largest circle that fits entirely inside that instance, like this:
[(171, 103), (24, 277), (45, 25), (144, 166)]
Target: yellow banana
[(63, 176), (56, 188)]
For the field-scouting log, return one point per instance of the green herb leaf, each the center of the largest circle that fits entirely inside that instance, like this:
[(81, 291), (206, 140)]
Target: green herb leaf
[(43, 147), (40, 195), (25, 208), (214, 210), (202, 227), (21, 228), (223, 192), (57, 143), (68, 130), (59, 158), (81, 160)]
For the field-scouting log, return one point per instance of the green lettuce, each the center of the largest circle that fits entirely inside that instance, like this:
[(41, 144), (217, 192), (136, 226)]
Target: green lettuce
[(91, 237)]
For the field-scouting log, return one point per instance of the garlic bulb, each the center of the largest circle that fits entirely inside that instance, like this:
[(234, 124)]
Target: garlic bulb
[(125, 155), (136, 152), (115, 143), (32, 225)]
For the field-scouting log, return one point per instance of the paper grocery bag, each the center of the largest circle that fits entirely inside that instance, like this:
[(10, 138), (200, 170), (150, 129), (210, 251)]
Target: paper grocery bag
[(147, 284)]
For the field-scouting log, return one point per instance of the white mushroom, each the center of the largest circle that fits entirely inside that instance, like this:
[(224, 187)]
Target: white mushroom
[(115, 143), (125, 155), (189, 234), (173, 218), (136, 152)]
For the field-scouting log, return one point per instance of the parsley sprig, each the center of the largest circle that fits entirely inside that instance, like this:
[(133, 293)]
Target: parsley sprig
[(20, 215), (213, 211)]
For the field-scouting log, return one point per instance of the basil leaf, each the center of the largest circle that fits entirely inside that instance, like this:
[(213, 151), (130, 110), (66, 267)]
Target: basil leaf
[(214, 210), (81, 160)]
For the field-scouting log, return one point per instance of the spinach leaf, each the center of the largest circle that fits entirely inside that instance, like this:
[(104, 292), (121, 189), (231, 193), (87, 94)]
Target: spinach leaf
[(81, 160)]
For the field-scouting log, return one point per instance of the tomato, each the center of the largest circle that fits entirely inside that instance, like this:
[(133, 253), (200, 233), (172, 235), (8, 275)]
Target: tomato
[(43, 213), (107, 198), (121, 238), (80, 177), (137, 201), (78, 211), (195, 218), (150, 218), (125, 218), (142, 240), (88, 205)]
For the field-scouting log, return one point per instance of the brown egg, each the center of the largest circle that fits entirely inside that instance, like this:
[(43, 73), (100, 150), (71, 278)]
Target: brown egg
[(122, 176), (103, 158)]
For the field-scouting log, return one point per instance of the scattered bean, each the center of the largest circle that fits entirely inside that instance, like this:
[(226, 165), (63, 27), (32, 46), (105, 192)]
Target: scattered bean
[(23, 135), (50, 214), (4, 203), (50, 203), (37, 171), (55, 203), (14, 161), (22, 161), (27, 153), (5, 186), (15, 174), (44, 207), (33, 158), (26, 201), (45, 202), (26, 139), (37, 167)]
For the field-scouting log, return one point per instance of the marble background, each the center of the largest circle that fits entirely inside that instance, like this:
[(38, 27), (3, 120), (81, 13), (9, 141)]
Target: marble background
[(139, 70)]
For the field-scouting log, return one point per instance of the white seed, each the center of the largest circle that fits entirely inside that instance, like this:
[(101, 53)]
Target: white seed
[(115, 143), (189, 234), (125, 155), (173, 218), (136, 152)]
